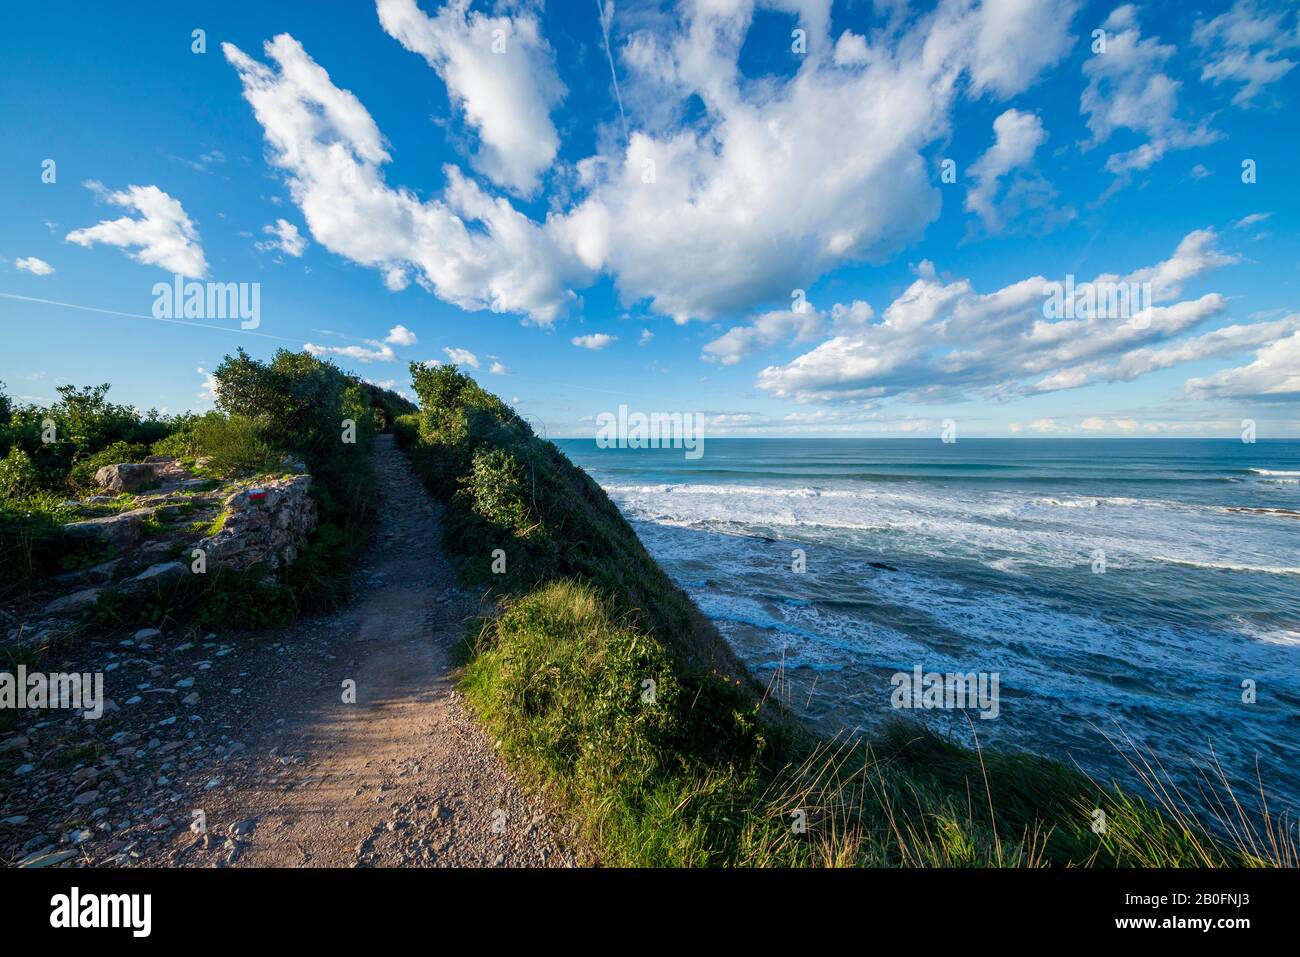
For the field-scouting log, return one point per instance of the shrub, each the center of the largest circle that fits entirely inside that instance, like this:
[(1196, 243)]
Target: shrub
[(232, 444), (496, 492), (82, 424), (82, 474), (18, 476)]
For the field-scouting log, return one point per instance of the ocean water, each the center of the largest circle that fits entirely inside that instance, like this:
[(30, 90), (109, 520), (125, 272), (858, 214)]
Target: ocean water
[(981, 556)]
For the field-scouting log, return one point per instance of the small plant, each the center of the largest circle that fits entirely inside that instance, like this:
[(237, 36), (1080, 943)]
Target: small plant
[(496, 490), (18, 477)]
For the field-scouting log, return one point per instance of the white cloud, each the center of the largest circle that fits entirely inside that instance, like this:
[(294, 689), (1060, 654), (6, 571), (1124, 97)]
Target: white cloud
[(332, 151), (1017, 40), (595, 341), (287, 238), (498, 369), (1251, 220), (1017, 136), (462, 357), (1197, 253), (1220, 342), (162, 235), (1246, 46), (400, 336), (1122, 425), (1128, 89), (727, 194), (944, 340), (33, 265), (786, 180), (500, 71), (646, 338), (784, 325), (1274, 375), (371, 352), (208, 391)]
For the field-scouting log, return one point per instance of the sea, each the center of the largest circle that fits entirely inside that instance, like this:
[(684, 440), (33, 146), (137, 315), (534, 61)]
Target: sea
[(1137, 599)]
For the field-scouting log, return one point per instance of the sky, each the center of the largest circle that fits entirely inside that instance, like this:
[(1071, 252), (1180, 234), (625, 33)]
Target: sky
[(796, 217)]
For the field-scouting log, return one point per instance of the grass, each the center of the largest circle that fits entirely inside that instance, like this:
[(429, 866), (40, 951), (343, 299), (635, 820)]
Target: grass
[(273, 418), (612, 693)]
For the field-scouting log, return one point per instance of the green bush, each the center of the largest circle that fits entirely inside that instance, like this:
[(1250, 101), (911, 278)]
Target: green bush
[(292, 406), (18, 476), (82, 474), (496, 492), (61, 437), (232, 445), (32, 548)]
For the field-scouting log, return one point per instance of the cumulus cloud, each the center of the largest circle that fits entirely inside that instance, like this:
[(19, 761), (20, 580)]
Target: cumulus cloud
[(1017, 136), (784, 181), (941, 341), (161, 234), (1138, 362), (333, 153), (784, 325), (1246, 45), (33, 265), (595, 341), (1017, 40), (500, 72), (1128, 88), (1197, 253), (400, 336), (726, 195), (462, 357), (286, 238), (1273, 375), (208, 391), (498, 369)]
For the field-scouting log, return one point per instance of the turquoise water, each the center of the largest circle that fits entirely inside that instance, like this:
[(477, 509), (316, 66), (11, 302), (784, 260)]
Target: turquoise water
[(980, 556)]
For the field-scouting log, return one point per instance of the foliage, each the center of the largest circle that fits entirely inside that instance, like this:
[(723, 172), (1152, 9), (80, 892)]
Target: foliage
[(607, 687), (18, 476), (60, 439), (294, 406), (496, 492), (82, 475)]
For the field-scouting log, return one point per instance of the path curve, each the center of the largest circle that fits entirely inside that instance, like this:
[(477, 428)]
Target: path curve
[(403, 777)]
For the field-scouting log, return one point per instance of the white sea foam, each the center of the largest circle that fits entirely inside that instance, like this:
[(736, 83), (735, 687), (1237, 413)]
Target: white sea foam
[(1231, 567), (1060, 532)]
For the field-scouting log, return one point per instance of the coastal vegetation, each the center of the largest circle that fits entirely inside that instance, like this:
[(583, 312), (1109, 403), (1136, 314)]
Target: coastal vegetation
[(272, 418), (609, 689)]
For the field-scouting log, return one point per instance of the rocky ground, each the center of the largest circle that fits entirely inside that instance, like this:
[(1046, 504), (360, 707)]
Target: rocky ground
[(142, 532), (251, 750)]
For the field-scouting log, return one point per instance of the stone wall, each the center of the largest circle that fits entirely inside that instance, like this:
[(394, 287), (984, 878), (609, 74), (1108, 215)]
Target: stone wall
[(271, 530)]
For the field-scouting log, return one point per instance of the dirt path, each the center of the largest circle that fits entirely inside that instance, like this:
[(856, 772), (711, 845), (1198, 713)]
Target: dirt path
[(254, 734), (403, 776)]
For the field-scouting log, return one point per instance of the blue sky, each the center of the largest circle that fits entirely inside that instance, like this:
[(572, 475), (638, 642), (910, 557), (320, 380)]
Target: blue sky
[(471, 174)]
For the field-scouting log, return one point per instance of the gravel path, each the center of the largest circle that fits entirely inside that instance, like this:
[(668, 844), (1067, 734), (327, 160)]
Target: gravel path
[(288, 774), (404, 776)]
